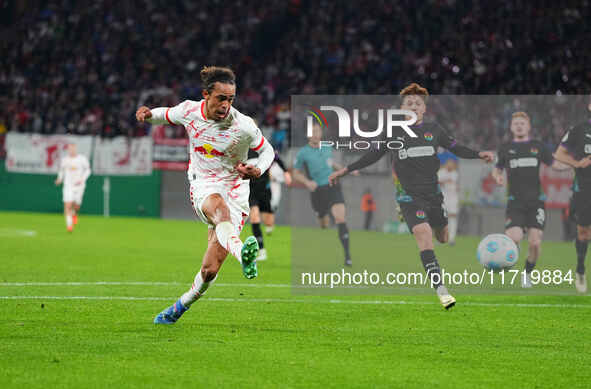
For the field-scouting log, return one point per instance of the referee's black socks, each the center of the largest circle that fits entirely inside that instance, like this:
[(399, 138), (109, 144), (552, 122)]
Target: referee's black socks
[(431, 267), (581, 246), (258, 233), (344, 237)]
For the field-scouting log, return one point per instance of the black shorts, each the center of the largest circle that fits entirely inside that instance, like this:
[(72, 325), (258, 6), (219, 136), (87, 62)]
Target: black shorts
[(525, 214), (424, 210), (324, 197), (582, 208), (260, 196)]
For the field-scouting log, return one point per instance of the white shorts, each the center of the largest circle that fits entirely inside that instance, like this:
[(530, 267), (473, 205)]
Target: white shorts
[(235, 197), (275, 195), (73, 194), (452, 204)]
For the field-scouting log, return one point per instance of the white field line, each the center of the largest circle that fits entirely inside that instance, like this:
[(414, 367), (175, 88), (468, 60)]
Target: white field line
[(136, 283), (157, 283), (302, 301), (252, 285), (11, 232)]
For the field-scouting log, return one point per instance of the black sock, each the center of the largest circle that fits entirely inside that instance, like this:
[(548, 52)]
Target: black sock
[(529, 266), (431, 267), (344, 237), (258, 233), (581, 246)]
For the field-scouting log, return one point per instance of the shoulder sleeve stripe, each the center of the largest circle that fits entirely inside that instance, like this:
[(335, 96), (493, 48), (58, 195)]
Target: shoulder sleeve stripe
[(167, 118), (260, 144), (203, 111)]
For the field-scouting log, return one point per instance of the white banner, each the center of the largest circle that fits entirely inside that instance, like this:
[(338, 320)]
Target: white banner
[(41, 154), (122, 156)]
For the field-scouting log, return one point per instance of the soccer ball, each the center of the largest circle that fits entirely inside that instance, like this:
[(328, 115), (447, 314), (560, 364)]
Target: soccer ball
[(497, 252)]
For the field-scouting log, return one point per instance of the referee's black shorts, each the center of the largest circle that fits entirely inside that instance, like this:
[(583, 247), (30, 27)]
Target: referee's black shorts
[(324, 197)]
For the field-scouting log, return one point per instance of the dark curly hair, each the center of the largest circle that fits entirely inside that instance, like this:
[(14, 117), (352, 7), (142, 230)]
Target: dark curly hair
[(212, 74)]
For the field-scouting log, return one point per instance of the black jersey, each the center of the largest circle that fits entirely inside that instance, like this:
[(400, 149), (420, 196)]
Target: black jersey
[(522, 161), (577, 141), (416, 163)]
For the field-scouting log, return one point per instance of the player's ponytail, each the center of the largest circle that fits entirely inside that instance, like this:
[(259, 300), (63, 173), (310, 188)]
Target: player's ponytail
[(212, 74)]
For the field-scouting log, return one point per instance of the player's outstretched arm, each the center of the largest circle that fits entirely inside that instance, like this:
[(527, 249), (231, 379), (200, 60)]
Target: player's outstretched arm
[(161, 115), (468, 153), (462, 151), (564, 156), (368, 159), (557, 165), (487, 156), (143, 113), (334, 177)]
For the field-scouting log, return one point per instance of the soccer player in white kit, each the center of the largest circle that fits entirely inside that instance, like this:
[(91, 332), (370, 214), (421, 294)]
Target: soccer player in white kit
[(220, 138), (449, 182), (73, 172)]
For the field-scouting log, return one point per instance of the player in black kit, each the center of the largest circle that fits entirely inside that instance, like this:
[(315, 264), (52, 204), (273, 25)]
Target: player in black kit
[(521, 158), (575, 150), (418, 193), (260, 202)]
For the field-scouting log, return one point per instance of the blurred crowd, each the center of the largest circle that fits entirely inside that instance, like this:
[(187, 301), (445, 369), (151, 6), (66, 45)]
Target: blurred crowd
[(84, 67)]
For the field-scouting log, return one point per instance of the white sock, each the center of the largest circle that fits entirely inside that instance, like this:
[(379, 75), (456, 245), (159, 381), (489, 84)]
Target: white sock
[(269, 229), (453, 228), (197, 290), (229, 239), (69, 220)]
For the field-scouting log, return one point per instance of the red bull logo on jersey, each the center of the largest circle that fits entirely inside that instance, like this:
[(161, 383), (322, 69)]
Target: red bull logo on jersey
[(208, 151), (421, 214)]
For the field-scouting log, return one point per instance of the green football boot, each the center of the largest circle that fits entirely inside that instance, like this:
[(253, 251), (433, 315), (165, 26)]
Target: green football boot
[(249, 252)]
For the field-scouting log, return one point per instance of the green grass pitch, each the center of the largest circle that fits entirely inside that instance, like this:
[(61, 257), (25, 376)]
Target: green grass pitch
[(76, 311)]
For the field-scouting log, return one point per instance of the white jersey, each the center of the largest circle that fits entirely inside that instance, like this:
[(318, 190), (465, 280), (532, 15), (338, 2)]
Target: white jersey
[(277, 174), (448, 182), (216, 146), (74, 170)]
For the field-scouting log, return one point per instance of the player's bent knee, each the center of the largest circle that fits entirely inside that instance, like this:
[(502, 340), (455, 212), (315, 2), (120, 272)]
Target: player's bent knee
[(215, 209), (422, 232), (584, 234), (516, 236), (535, 242), (442, 236)]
